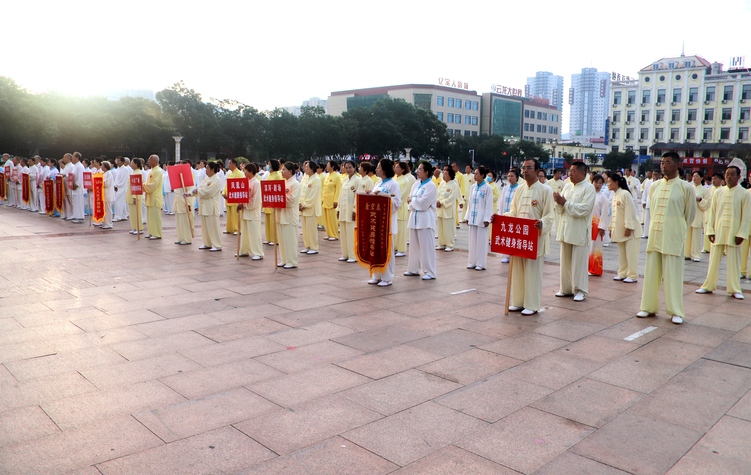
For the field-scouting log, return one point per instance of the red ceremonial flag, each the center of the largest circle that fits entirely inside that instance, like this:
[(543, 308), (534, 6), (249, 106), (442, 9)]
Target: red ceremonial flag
[(136, 184), (98, 192), (7, 171), (71, 181), (515, 236), (238, 191), (2, 185), (87, 183), (59, 193), (176, 171), (25, 188), (373, 240), (49, 196), (274, 194)]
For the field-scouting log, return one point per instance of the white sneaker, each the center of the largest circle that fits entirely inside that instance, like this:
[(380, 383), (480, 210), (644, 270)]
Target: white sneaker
[(374, 281), (428, 277), (440, 248), (697, 260), (304, 251), (643, 314), (350, 261), (448, 249), (617, 278), (527, 311), (383, 283), (629, 280), (702, 290), (676, 319), (401, 254), (311, 252), (342, 259), (288, 266), (505, 260), (513, 308), (738, 296), (579, 296), (479, 268), (256, 258), (215, 249)]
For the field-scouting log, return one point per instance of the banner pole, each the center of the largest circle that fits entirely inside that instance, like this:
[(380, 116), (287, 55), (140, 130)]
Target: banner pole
[(138, 219), (276, 240), (239, 233), (91, 205), (508, 285)]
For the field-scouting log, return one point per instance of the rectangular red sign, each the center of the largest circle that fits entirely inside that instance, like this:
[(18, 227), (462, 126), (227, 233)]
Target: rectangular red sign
[(238, 191), (179, 175), (515, 236), (87, 180), (71, 180), (274, 194), (373, 240), (59, 192), (136, 184), (2, 185)]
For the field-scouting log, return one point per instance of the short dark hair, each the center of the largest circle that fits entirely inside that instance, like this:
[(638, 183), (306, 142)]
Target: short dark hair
[(718, 175), (214, 166), (312, 165), (251, 167), (598, 177), (387, 166), (581, 166), (515, 171), (351, 163), (290, 166), (699, 172), (536, 162), (483, 171), (426, 166), (451, 172), (737, 169), (673, 156), (367, 167), (274, 165), (334, 165), (403, 166), (622, 183), (233, 160)]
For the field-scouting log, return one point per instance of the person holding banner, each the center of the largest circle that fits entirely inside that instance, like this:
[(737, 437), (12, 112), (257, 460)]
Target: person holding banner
[(478, 216), (233, 224), (387, 187), (625, 228), (109, 195), (507, 196), (289, 218), (210, 194), (274, 174), (310, 207), (532, 200), (154, 199), (183, 208), (23, 187), (448, 196), (331, 188), (422, 221), (346, 211), (600, 224), (250, 232), (135, 201)]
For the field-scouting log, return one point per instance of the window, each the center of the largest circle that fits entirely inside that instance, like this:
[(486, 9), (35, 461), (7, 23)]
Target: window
[(539, 128), (616, 98), (693, 94), (459, 105), (526, 127), (645, 116), (544, 116), (743, 133), (450, 118), (690, 135), (691, 114), (674, 134), (467, 120), (746, 92), (631, 97), (676, 94), (709, 114), (458, 119), (468, 106), (450, 132), (423, 100), (451, 102), (675, 114), (644, 134), (475, 107), (629, 133), (539, 116), (457, 133), (727, 93), (616, 116), (439, 115), (707, 135), (727, 113), (544, 129), (645, 96), (630, 116), (660, 96), (474, 133), (709, 96), (526, 113), (467, 133), (660, 115), (745, 113), (474, 120), (659, 134), (439, 100), (724, 133)]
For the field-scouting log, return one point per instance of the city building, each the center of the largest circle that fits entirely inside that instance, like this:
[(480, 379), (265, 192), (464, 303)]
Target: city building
[(316, 102), (546, 85), (683, 104), (592, 155), (588, 98), (519, 118), (457, 107)]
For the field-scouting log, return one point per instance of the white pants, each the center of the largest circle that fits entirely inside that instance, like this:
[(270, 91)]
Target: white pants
[(107, 214), (478, 247), (42, 199), (78, 207), (347, 238), (574, 268), (169, 202), (526, 282), (33, 203), (121, 208), (646, 221), (422, 251)]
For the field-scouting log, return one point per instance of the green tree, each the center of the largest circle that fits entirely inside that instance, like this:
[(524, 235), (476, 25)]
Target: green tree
[(618, 160)]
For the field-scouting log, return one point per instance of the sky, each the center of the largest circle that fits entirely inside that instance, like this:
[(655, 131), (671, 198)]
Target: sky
[(277, 54)]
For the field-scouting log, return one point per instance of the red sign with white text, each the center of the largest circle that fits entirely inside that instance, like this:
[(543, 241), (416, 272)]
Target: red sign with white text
[(87, 180), (515, 236), (71, 181), (274, 194), (238, 191), (136, 184)]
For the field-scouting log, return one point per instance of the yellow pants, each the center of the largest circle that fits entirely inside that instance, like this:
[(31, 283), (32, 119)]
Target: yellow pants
[(309, 232), (250, 238), (331, 223), (184, 223), (694, 243), (744, 258), (135, 224), (210, 231), (526, 282), (348, 239), (233, 219), (573, 270), (154, 220), (446, 228), (288, 244), (733, 277), (269, 226), (321, 220), (671, 267), (628, 259), (400, 243)]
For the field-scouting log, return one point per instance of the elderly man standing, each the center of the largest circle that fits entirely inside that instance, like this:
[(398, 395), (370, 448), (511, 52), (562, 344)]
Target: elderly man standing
[(729, 223), (76, 193), (673, 204), (154, 199), (574, 205), (694, 240), (122, 182)]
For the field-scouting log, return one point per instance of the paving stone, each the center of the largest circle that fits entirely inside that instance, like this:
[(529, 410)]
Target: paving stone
[(379, 338), (387, 362), (470, 366), (300, 387), (452, 460), (569, 462), (732, 352), (203, 382), (524, 346)]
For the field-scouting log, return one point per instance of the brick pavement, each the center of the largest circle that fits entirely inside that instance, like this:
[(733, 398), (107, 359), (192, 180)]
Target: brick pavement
[(132, 357)]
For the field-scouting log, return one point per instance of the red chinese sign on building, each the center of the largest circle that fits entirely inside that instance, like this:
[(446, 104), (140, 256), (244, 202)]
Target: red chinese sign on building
[(373, 240), (698, 161), (238, 191), (515, 236), (136, 184), (87, 180), (453, 83), (273, 194)]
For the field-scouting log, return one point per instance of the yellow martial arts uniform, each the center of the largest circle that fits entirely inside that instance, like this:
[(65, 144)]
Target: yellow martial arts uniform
[(448, 195), (437, 180), (532, 202), (574, 234), (210, 207), (289, 219), (346, 210), (624, 217), (673, 207), (154, 202), (331, 189), (321, 219), (707, 244), (366, 184), (729, 217), (461, 180), (134, 206), (400, 241), (183, 208), (250, 235), (233, 224), (268, 219), (744, 255), (694, 240), (310, 202)]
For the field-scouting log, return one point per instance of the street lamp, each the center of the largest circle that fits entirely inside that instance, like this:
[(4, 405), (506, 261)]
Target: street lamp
[(553, 145), (409, 158), (472, 151), (177, 138)]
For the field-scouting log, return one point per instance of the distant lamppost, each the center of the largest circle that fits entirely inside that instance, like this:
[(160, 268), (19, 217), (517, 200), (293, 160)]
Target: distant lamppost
[(177, 138), (472, 151), (409, 158), (553, 145)]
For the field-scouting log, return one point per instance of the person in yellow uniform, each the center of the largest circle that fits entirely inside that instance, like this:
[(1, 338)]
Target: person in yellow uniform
[(694, 240), (448, 195), (437, 177), (744, 255), (154, 199), (321, 220), (625, 228), (183, 208), (575, 205), (332, 188), (233, 223), (346, 211), (274, 174), (400, 240), (366, 184), (250, 233), (461, 180), (532, 200), (310, 207), (673, 205), (729, 226), (289, 218), (135, 202), (718, 181), (557, 185), (209, 192)]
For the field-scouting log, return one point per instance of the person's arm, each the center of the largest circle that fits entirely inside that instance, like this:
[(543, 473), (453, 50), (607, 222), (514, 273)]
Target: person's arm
[(689, 199), (583, 208)]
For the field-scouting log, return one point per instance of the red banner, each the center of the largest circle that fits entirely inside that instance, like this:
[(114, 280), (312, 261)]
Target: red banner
[(97, 183), (180, 175), (373, 241), (7, 171), (2, 185), (71, 181), (515, 236), (274, 194), (238, 191), (59, 193), (49, 196), (136, 184), (14, 175), (87, 180), (25, 188)]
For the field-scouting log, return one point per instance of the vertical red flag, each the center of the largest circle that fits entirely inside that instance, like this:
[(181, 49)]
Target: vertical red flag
[(2, 185), (49, 196), (71, 180), (59, 193), (98, 193), (25, 188)]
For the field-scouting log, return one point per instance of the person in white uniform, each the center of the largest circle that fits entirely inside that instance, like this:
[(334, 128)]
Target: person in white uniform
[(387, 187), (478, 216), (421, 224)]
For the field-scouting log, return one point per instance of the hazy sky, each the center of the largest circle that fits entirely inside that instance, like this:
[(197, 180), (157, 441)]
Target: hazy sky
[(275, 54)]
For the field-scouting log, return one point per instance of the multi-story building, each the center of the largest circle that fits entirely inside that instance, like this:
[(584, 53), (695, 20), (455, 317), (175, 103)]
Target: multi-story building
[(542, 122), (518, 118), (588, 97), (315, 102), (686, 105), (546, 85), (458, 108)]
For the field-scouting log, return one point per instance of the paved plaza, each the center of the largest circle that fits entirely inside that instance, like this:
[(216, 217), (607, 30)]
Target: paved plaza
[(120, 356)]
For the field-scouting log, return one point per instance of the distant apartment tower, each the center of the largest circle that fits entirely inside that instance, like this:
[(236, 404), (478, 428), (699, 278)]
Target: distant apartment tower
[(546, 85), (589, 98), (316, 102)]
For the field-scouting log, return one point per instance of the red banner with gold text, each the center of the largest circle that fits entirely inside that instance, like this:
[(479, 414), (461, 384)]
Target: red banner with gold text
[(373, 240), (25, 188), (59, 193), (2, 186), (97, 183), (49, 196)]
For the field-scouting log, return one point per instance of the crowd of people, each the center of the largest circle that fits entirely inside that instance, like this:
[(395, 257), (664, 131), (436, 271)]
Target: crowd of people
[(585, 211)]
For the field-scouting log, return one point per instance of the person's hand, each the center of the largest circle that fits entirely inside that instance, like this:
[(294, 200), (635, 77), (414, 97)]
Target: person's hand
[(491, 218), (353, 215), (240, 207), (601, 233), (628, 232), (698, 198), (437, 204), (644, 205), (375, 192), (335, 205), (738, 241), (487, 223), (538, 224), (711, 238)]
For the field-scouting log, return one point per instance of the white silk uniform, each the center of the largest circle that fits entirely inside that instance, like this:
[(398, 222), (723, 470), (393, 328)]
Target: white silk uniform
[(480, 210), (421, 224), (575, 234)]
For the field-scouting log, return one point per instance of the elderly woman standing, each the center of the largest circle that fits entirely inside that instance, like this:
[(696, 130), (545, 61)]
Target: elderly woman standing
[(109, 194), (387, 187), (507, 196), (422, 221), (624, 228), (448, 195), (209, 192), (289, 218), (401, 170), (478, 216)]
